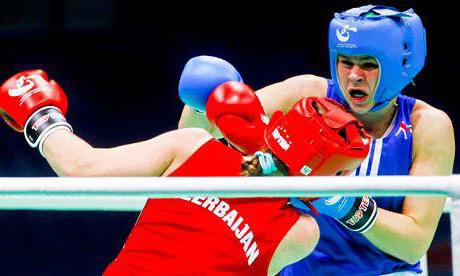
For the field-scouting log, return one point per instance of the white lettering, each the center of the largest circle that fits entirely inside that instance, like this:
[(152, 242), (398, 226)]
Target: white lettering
[(237, 223), (246, 240), (252, 253), (40, 122), (230, 217), (280, 140), (211, 201), (239, 233), (197, 199), (359, 214), (221, 209)]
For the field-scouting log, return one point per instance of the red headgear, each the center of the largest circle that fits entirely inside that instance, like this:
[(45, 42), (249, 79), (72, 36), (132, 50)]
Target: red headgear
[(317, 137)]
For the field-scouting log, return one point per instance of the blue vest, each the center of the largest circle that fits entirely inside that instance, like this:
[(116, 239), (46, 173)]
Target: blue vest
[(342, 251)]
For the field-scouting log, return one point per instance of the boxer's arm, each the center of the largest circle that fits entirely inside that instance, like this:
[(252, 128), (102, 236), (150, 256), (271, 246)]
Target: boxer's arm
[(278, 96), (283, 95), (298, 243), (192, 118), (407, 236), (69, 155)]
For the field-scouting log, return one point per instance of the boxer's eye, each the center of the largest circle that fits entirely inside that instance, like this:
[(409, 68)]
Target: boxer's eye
[(369, 66), (346, 63)]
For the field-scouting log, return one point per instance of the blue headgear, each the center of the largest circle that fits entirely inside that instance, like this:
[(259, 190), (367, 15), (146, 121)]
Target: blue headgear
[(395, 39)]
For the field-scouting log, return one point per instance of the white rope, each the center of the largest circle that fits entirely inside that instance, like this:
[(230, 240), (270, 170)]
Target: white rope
[(88, 203), (166, 187)]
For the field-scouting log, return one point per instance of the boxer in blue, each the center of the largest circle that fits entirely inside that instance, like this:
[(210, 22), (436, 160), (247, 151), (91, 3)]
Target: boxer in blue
[(375, 51)]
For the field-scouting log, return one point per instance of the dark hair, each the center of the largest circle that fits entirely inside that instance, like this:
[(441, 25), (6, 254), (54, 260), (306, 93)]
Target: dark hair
[(253, 168)]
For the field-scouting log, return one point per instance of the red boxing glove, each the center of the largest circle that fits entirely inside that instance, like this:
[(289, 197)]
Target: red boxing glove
[(235, 109), (31, 103)]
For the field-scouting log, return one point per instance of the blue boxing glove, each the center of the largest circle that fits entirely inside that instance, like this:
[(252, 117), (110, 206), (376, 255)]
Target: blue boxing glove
[(199, 78), (355, 213)]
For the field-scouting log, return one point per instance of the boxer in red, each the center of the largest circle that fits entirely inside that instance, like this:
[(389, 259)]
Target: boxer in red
[(201, 235)]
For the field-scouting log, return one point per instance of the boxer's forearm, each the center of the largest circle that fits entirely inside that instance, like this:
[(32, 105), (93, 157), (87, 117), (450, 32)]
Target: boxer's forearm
[(66, 153), (69, 155), (401, 236)]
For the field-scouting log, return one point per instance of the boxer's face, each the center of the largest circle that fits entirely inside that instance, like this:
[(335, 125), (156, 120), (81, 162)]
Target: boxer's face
[(358, 79)]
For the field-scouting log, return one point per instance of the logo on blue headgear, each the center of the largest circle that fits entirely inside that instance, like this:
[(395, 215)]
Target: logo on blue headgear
[(343, 34), (395, 39)]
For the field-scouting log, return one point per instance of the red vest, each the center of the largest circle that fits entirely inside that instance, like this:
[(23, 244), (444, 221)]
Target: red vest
[(206, 235)]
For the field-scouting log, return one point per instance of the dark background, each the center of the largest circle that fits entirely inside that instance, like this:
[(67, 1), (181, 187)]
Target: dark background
[(119, 63)]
